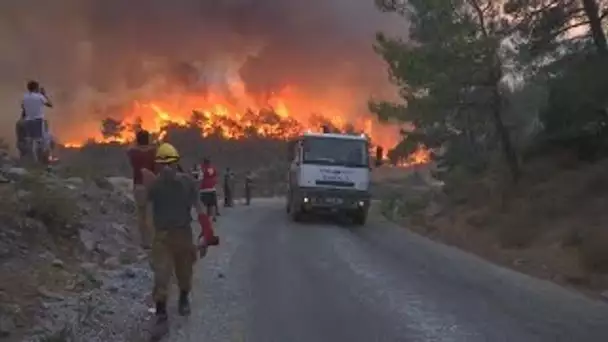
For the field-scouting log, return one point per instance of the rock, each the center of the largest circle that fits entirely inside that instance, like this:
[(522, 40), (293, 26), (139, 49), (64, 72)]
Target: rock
[(433, 209), (17, 172), (604, 295), (58, 263), (88, 239), (122, 228), (104, 183), (5, 252), (43, 291), (130, 273), (4, 180), (519, 262), (70, 286), (112, 288), (112, 262), (76, 181), (22, 194), (46, 255), (7, 325), (90, 271)]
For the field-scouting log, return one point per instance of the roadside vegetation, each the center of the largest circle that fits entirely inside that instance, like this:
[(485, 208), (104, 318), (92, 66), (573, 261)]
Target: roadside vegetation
[(510, 98)]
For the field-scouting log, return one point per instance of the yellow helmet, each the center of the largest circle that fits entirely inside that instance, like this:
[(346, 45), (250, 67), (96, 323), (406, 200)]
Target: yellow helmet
[(166, 154)]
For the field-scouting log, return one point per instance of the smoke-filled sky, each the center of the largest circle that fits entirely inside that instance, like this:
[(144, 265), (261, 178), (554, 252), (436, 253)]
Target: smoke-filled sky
[(86, 52)]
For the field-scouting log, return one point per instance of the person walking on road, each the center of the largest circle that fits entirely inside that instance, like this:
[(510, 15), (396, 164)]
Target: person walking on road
[(208, 192), (228, 177), (142, 156), (32, 106), (248, 185), (172, 195)]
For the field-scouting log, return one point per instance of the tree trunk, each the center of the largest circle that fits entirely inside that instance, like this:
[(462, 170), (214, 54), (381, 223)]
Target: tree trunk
[(595, 22), (503, 133)]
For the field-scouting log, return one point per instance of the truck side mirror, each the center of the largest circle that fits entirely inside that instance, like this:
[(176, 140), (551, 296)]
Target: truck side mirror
[(379, 156)]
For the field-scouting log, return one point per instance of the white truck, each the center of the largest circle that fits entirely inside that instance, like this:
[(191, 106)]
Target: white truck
[(329, 173)]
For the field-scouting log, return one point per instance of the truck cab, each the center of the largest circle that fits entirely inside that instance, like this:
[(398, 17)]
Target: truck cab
[(329, 173)]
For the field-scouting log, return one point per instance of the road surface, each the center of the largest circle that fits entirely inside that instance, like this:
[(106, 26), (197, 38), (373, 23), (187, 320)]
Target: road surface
[(273, 280)]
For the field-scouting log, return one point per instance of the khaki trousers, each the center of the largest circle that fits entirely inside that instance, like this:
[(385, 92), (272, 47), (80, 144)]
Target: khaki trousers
[(144, 215), (172, 252)]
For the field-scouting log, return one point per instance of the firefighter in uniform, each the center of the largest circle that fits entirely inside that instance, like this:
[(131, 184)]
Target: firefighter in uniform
[(172, 195)]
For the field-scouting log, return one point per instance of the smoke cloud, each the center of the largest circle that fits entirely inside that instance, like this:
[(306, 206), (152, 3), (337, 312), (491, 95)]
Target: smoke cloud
[(95, 55)]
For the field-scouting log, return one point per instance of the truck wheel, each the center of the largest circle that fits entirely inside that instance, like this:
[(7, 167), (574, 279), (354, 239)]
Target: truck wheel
[(360, 217)]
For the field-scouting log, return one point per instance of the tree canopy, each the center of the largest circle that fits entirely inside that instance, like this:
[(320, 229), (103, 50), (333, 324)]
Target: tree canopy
[(482, 78)]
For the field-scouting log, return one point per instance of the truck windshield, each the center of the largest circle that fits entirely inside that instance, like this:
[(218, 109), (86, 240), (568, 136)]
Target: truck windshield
[(336, 151)]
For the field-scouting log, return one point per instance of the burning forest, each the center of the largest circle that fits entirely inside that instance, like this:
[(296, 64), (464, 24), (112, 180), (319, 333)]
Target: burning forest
[(278, 116), (231, 69)]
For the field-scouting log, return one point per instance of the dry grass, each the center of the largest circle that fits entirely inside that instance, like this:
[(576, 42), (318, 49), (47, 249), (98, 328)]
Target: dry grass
[(552, 225), (593, 250)]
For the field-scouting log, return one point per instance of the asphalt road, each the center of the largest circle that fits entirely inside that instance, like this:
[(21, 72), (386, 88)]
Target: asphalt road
[(273, 280)]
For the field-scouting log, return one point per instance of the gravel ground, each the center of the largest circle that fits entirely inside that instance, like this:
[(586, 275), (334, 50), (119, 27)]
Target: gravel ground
[(273, 280), (108, 313)]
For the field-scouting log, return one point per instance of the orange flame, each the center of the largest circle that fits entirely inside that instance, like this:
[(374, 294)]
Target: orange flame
[(422, 155), (233, 117)]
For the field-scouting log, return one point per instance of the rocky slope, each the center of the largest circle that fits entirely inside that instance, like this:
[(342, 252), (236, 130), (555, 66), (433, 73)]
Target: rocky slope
[(70, 265)]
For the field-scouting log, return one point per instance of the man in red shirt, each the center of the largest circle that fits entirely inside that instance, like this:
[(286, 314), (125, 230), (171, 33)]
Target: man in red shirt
[(208, 192), (142, 156)]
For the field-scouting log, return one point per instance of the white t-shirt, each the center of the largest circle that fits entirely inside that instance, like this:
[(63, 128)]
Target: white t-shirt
[(33, 104)]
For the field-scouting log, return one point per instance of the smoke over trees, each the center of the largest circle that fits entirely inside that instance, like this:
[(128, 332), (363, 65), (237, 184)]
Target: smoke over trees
[(93, 52)]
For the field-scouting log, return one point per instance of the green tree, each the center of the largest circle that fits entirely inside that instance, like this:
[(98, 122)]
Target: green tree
[(569, 64), (451, 78)]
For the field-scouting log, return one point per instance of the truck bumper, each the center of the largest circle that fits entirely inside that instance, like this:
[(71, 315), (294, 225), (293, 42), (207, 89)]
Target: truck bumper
[(329, 200)]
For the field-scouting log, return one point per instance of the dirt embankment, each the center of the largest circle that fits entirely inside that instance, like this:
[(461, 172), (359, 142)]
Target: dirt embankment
[(552, 225), (70, 265)]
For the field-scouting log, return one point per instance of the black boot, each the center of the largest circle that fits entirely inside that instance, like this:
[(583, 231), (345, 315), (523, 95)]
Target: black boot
[(161, 324), (184, 304)]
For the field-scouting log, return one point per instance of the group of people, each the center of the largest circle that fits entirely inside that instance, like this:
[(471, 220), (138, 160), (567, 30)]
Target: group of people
[(207, 174), (165, 196), (32, 129)]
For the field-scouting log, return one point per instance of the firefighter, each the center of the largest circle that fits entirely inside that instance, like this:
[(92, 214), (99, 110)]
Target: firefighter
[(172, 195)]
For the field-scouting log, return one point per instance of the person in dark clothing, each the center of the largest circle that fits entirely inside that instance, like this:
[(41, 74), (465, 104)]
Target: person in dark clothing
[(248, 185), (142, 156), (228, 177)]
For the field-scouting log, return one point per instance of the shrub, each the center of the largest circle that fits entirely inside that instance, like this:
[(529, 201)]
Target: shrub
[(518, 233), (593, 250), (52, 205)]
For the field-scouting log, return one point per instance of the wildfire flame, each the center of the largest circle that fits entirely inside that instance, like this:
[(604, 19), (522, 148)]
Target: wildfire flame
[(421, 156), (279, 115)]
